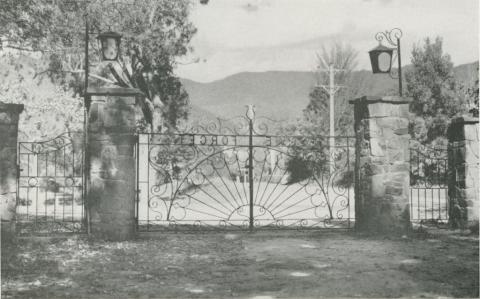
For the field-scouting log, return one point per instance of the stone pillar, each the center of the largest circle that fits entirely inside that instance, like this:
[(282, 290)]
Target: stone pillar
[(382, 175), (9, 115), (111, 167), (463, 185)]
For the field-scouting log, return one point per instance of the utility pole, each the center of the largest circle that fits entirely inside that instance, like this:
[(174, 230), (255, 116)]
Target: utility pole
[(332, 89)]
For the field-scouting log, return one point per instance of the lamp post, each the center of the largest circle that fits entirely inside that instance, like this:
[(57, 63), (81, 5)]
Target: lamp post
[(381, 56)]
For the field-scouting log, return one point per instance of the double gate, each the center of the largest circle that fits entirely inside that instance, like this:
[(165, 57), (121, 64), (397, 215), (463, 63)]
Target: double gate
[(238, 174)]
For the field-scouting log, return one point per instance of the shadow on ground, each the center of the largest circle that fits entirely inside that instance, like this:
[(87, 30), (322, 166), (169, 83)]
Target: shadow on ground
[(276, 265)]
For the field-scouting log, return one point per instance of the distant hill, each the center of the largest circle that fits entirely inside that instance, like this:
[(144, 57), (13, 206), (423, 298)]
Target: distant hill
[(276, 94), (283, 94)]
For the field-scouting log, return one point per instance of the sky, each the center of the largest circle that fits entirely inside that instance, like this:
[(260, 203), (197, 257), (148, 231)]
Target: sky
[(266, 35)]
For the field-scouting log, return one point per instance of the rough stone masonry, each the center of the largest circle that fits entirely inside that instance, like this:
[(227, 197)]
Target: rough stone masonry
[(111, 167), (382, 164), (463, 166), (9, 115)]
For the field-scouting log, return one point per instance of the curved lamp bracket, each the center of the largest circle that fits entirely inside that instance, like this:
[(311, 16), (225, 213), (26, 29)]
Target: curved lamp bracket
[(391, 37)]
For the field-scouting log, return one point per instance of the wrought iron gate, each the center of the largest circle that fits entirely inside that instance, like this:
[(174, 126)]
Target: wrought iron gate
[(428, 184), (50, 185), (236, 174)]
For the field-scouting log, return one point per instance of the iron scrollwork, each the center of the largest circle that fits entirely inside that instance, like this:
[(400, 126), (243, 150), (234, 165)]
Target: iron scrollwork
[(217, 178)]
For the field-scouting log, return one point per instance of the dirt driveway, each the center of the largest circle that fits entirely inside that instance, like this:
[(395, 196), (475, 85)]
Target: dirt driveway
[(262, 265)]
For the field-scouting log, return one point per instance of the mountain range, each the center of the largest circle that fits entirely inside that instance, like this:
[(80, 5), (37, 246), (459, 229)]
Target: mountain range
[(284, 94)]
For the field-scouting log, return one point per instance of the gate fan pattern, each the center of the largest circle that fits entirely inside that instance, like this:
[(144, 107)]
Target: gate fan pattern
[(236, 175)]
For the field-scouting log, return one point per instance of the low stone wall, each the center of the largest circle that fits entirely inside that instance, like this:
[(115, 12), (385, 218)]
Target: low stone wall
[(463, 160), (9, 115), (382, 165), (111, 167)]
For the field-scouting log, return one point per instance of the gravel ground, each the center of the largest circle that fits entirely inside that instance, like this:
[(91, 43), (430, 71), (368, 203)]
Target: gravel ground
[(247, 265)]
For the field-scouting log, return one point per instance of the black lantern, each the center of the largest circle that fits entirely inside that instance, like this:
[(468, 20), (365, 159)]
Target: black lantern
[(381, 59), (110, 45)]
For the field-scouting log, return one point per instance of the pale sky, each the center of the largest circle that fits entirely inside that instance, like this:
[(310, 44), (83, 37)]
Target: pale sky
[(262, 35)]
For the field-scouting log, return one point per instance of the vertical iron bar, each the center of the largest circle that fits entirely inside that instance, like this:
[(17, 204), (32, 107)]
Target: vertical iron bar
[(411, 204), (36, 192), (65, 174), (137, 177), (425, 201), (73, 182), (410, 184), (148, 182), (28, 185), (439, 185), (46, 186), (418, 176), (439, 204), (433, 217), (28, 162), (86, 103), (64, 163), (55, 174), (28, 198), (445, 171), (348, 171), (55, 205), (250, 169), (447, 204), (418, 203), (82, 207), (63, 204), (17, 195)]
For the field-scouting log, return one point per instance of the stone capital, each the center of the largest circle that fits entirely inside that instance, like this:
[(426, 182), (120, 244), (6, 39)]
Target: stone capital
[(114, 91), (380, 99), (464, 120), (17, 108)]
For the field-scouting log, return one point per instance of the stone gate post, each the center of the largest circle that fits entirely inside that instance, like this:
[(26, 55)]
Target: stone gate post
[(9, 115), (463, 160), (111, 163), (382, 167)]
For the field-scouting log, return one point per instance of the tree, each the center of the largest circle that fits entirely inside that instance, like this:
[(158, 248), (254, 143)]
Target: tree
[(316, 114), (313, 160), (432, 86), (49, 109), (472, 94), (155, 32)]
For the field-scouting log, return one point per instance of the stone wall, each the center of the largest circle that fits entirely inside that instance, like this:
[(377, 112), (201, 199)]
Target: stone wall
[(382, 165), (463, 160), (9, 114), (111, 167)]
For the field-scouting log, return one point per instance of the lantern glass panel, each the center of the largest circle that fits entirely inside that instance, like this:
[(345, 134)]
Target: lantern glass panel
[(384, 61), (110, 48)]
